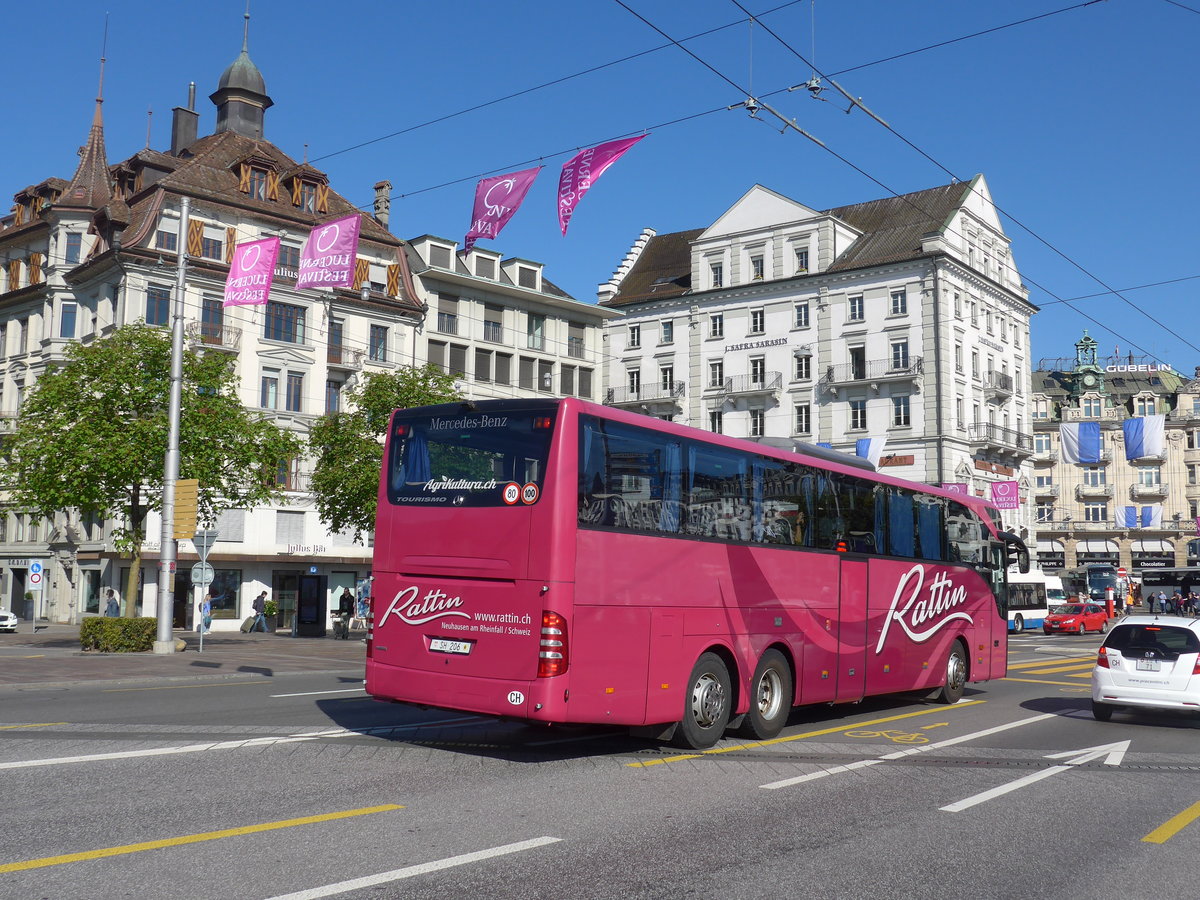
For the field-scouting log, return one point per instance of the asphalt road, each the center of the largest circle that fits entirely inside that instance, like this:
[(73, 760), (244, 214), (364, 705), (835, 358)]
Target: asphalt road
[(297, 785)]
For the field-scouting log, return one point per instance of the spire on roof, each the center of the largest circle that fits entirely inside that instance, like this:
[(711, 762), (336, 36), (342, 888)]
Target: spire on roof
[(90, 188), (241, 95)]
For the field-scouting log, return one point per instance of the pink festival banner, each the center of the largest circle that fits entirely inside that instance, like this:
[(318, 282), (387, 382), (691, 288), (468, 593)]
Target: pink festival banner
[(327, 257), (1005, 495), (496, 201), (582, 171), (958, 487), (250, 272)]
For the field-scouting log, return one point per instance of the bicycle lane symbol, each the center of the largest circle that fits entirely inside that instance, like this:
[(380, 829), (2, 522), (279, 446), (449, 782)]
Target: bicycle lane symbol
[(895, 736)]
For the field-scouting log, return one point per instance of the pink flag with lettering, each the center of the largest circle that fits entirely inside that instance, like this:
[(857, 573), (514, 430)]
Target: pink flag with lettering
[(1005, 495), (496, 200), (250, 272), (959, 487), (327, 257), (582, 170)]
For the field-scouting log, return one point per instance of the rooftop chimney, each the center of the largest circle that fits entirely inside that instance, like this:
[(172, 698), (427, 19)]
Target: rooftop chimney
[(383, 202), (184, 123)]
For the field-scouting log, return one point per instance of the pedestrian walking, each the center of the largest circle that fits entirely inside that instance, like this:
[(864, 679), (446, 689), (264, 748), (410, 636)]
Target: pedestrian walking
[(345, 612), (206, 606), (260, 608), (112, 609)]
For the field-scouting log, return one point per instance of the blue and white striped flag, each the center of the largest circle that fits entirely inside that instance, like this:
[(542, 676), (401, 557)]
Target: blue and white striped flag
[(1144, 436), (1128, 517), (1080, 442), (1152, 516), (870, 449)]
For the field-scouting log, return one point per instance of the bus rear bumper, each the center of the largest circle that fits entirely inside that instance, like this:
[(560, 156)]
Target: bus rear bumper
[(539, 700)]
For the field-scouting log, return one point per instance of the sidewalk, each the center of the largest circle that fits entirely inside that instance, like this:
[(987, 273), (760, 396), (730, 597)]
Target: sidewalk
[(52, 657)]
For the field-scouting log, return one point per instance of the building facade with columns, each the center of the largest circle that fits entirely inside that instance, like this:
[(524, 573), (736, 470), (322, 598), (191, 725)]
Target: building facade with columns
[(1120, 504), (901, 319)]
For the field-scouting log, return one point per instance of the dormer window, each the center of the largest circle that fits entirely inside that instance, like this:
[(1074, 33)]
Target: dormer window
[(527, 277), (258, 180), (756, 267), (258, 183), (801, 260), (308, 196)]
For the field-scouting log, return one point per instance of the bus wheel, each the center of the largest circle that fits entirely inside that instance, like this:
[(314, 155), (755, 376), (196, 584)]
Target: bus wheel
[(706, 706), (956, 675), (1018, 624), (771, 696)]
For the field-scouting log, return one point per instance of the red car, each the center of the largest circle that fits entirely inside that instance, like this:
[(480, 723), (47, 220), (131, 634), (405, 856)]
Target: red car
[(1079, 618)]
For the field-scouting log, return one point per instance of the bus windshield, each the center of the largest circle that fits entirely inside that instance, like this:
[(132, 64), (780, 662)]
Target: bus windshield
[(459, 458)]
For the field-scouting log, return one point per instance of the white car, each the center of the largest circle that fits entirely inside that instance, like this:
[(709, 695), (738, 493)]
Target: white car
[(1148, 662), (8, 621)]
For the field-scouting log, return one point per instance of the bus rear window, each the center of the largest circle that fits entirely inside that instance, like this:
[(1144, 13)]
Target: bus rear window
[(468, 459)]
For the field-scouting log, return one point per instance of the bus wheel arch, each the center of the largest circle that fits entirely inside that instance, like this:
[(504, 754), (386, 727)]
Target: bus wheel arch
[(772, 694), (708, 701), (957, 673), (1018, 624)]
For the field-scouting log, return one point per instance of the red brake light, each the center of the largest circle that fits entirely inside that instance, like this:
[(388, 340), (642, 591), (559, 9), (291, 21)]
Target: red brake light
[(542, 423), (1102, 659), (401, 430), (552, 655), (1196, 666), (841, 547)]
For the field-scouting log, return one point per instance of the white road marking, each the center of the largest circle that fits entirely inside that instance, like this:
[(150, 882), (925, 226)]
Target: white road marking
[(1113, 755), (319, 693), (367, 881), (900, 754)]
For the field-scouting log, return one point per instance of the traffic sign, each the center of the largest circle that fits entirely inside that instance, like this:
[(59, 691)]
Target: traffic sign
[(1121, 572), (35, 567), (202, 573), (186, 495), (35, 580)]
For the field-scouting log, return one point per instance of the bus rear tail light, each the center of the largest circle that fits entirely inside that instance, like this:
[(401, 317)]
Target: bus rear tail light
[(370, 632), (542, 423), (552, 653), (1102, 659)]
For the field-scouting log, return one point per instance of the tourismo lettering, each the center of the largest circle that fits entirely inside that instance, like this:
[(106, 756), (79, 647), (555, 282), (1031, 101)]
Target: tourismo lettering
[(468, 422), (943, 595), (435, 604), (446, 483)]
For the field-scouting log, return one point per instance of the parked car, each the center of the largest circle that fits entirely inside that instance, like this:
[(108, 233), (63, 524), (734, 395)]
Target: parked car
[(1148, 662), (1079, 618), (8, 620)]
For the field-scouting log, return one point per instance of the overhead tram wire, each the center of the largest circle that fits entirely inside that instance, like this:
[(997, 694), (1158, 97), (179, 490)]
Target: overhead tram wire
[(956, 177)]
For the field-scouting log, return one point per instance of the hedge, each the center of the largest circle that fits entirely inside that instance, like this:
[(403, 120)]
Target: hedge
[(118, 635)]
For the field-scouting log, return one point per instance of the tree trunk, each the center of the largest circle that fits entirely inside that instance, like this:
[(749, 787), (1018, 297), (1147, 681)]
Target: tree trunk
[(131, 583)]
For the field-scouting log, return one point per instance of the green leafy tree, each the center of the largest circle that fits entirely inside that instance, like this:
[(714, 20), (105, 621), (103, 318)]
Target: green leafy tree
[(92, 435), (348, 446)]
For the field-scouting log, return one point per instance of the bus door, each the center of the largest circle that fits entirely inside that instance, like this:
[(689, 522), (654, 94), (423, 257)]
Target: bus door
[(852, 630)]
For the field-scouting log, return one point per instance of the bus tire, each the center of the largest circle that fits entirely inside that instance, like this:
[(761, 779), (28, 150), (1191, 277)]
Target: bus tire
[(1018, 624), (956, 675), (706, 704), (771, 694)]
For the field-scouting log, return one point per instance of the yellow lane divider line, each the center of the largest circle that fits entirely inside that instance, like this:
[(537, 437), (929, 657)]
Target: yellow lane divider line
[(1040, 681), (1078, 667), (799, 737), (1173, 826), (179, 687), (33, 725), (1055, 662), (46, 861)]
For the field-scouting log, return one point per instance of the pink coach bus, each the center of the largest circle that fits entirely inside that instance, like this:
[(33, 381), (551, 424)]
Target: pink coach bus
[(561, 561)]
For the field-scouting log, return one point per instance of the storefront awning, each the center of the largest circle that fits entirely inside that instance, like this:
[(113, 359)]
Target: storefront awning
[(1096, 547), (1156, 546), (1049, 546)]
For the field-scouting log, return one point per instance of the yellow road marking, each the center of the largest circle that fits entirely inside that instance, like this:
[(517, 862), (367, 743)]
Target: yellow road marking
[(177, 687), (1173, 825), (189, 839), (1039, 681), (1046, 662), (800, 737), (1056, 669), (34, 725), (33, 656)]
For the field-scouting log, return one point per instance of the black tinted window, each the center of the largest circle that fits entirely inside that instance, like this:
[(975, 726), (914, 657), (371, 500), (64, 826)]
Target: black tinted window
[(1166, 639)]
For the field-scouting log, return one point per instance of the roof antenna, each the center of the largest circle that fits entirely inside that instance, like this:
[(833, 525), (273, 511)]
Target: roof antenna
[(246, 30), (103, 60), (149, 122)]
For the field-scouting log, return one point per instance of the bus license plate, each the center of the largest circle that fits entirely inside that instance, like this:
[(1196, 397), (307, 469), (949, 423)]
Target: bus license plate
[(441, 645), (1148, 665)]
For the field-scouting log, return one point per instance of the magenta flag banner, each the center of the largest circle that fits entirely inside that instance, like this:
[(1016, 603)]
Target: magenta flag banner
[(582, 170), (1005, 495), (250, 272), (327, 257), (496, 201), (958, 487)]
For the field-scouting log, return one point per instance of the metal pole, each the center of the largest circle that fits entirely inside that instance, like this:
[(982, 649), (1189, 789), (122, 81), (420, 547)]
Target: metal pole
[(166, 557)]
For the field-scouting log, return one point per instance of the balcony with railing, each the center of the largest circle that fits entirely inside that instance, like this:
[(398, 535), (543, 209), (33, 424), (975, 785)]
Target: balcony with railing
[(1149, 491), (1045, 490), (340, 357), (999, 438), (214, 336), (1045, 457), (657, 392), (447, 323), (1093, 492), (753, 384), (874, 370), (1108, 415), (998, 385), (493, 332), (575, 348)]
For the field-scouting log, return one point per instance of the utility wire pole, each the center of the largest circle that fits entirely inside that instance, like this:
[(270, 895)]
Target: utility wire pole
[(167, 555)]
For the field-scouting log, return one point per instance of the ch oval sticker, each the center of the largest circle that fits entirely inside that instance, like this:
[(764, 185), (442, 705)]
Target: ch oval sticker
[(516, 698)]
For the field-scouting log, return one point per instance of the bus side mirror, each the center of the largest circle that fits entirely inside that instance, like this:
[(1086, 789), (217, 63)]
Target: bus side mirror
[(1022, 560), (1015, 551)]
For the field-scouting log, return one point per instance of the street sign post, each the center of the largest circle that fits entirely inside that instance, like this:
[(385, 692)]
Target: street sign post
[(202, 574), (1121, 572)]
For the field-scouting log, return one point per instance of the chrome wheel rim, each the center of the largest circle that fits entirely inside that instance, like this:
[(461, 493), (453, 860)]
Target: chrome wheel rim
[(770, 694), (956, 672), (708, 700)]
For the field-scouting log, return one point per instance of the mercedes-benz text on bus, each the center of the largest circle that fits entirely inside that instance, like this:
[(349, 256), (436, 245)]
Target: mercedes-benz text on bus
[(561, 561)]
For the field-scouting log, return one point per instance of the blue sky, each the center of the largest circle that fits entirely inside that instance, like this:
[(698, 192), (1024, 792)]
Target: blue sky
[(1083, 121)]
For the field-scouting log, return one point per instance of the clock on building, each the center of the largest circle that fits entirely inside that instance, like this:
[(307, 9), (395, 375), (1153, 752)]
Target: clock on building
[(1089, 379)]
